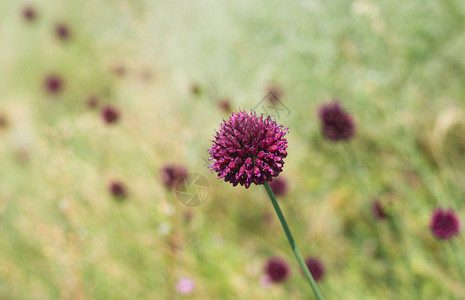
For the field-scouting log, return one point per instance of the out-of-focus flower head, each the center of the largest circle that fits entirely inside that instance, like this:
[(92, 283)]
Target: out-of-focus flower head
[(336, 123), (53, 84), (118, 190), (62, 31), (277, 270), (316, 268), (185, 286), (110, 114), (171, 174), (279, 186), (444, 224), (378, 210)]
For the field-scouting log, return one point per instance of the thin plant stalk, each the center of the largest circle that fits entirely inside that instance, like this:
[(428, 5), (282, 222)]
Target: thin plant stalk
[(296, 251)]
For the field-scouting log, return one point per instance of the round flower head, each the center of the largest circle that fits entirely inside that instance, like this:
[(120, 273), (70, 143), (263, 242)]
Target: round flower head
[(248, 149), (53, 84), (336, 124), (277, 270), (62, 31), (279, 186), (378, 211), (118, 190), (316, 268), (110, 114), (29, 13), (185, 286), (171, 174), (444, 224)]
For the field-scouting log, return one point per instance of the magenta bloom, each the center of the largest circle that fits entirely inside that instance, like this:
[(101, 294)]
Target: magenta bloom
[(185, 286), (336, 124), (316, 268), (248, 149), (53, 84), (279, 186), (110, 114), (277, 270), (62, 31), (171, 174), (29, 13), (444, 224), (118, 190), (378, 211)]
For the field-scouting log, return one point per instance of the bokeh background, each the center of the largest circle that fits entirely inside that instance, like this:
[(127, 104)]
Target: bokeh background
[(396, 66)]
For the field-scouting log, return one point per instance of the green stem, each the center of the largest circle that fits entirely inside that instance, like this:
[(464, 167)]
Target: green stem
[(296, 251)]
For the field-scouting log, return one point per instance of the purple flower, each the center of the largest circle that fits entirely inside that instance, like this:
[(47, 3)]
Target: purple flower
[(62, 31), (378, 211), (118, 190), (110, 114), (92, 101), (336, 124), (248, 149), (185, 286), (316, 268), (29, 13), (444, 224), (171, 174), (53, 84), (277, 269), (279, 186)]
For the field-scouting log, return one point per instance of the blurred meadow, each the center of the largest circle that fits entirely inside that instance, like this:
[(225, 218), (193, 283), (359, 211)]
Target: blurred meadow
[(85, 213)]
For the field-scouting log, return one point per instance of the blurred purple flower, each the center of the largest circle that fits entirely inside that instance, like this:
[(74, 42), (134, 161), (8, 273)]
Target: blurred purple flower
[(110, 114), (277, 269), (248, 149), (316, 268), (29, 13), (444, 224), (378, 211), (279, 186), (171, 174), (53, 84), (336, 124), (185, 286), (118, 190), (62, 31)]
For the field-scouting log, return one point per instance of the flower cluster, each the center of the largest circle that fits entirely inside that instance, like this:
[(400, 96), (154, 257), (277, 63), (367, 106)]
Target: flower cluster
[(248, 149), (444, 224), (336, 124), (171, 174)]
